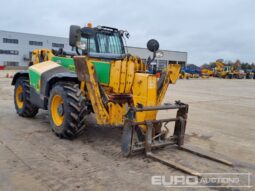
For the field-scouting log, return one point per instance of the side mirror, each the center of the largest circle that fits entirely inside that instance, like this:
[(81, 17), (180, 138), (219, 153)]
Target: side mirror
[(153, 45), (74, 35)]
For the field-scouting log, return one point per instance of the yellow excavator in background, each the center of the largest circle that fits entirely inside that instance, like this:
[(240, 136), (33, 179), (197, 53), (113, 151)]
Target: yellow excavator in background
[(222, 71), (232, 71), (219, 69)]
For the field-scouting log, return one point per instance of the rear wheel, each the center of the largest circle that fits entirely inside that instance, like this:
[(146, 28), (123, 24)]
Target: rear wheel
[(67, 110), (22, 102)]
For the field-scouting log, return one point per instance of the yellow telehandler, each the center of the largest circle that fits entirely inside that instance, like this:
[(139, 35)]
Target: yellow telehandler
[(101, 78)]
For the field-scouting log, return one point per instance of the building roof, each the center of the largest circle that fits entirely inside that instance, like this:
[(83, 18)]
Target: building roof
[(33, 34)]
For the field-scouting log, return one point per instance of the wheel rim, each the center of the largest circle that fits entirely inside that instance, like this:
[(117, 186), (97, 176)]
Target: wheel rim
[(57, 110), (19, 97)]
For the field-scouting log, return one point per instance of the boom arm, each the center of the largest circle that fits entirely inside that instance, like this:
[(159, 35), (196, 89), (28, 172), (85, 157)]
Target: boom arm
[(171, 76), (219, 65)]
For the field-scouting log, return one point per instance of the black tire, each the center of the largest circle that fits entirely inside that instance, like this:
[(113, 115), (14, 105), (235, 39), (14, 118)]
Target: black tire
[(28, 109), (74, 110)]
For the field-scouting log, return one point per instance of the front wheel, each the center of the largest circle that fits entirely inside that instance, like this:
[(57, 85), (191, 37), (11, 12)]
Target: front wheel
[(67, 110)]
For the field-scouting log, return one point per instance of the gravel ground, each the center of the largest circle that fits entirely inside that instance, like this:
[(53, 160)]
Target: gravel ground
[(221, 120)]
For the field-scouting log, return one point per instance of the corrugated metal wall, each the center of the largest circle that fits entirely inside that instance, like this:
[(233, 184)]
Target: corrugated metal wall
[(24, 48)]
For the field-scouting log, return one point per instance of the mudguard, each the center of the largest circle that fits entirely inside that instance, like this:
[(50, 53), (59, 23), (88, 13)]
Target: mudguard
[(22, 73), (46, 84)]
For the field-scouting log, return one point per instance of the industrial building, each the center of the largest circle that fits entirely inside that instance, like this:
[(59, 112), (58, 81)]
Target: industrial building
[(16, 49)]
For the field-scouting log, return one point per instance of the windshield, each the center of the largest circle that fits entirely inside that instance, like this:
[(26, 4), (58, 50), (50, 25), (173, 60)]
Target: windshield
[(226, 68), (109, 43), (105, 43)]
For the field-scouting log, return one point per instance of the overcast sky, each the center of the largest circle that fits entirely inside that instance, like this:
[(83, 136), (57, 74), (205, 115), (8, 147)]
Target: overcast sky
[(206, 29)]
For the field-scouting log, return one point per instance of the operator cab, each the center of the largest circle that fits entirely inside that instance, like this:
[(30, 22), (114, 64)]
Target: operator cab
[(106, 43), (99, 42)]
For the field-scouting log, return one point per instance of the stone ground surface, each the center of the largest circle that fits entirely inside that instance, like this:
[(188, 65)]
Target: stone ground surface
[(221, 120)]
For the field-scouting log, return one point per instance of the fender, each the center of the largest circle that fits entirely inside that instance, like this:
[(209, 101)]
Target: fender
[(58, 77), (47, 82), (22, 73)]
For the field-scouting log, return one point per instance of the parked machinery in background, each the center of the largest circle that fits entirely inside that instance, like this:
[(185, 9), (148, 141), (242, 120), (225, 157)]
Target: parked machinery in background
[(206, 73), (236, 70), (222, 71), (250, 74), (195, 74), (184, 75), (187, 73), (228, 71)]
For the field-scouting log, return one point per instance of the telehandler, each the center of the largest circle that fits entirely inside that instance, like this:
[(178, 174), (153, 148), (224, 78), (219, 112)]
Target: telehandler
[(102, 78)]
